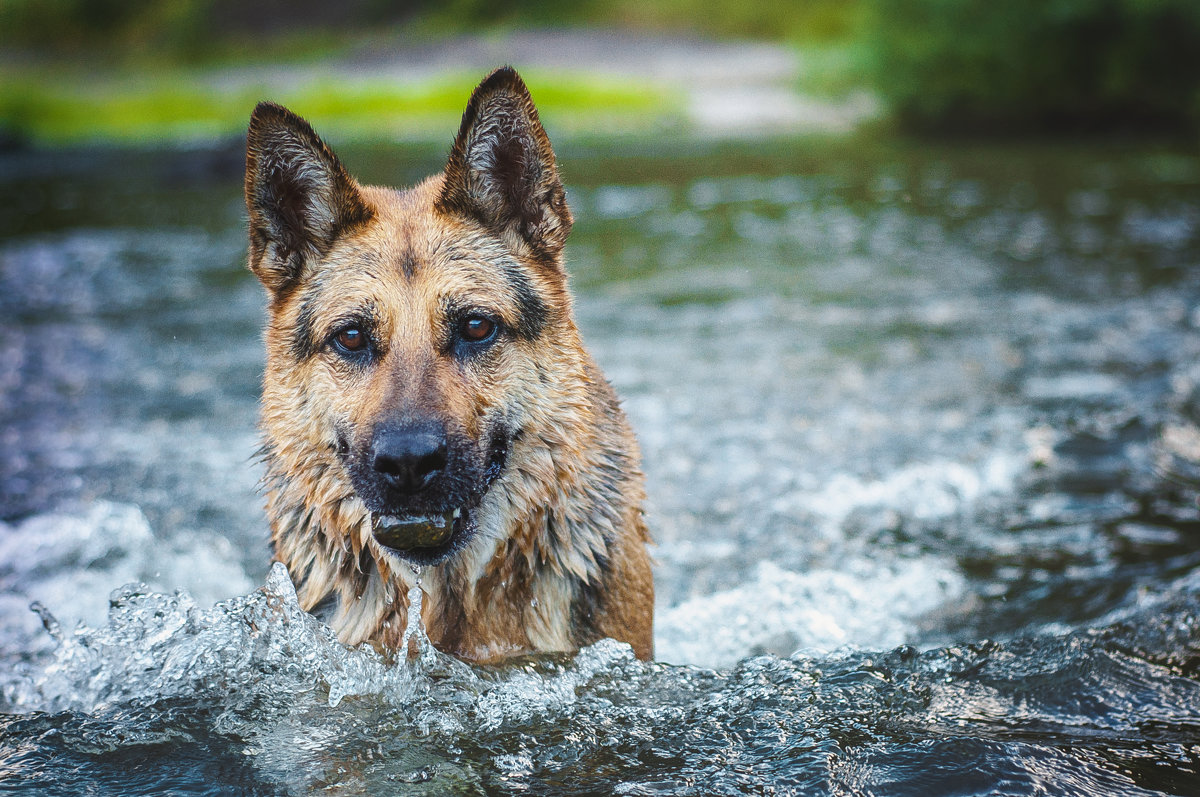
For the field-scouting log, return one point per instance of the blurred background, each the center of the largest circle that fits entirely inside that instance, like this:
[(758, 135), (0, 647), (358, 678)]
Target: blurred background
[(181, 70)]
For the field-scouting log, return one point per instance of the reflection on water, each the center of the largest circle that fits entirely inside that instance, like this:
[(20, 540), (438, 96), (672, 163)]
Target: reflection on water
[(894, 403)]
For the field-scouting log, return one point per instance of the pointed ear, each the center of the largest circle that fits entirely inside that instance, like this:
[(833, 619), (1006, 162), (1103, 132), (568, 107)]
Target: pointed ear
[(299, 196), (502, 170)]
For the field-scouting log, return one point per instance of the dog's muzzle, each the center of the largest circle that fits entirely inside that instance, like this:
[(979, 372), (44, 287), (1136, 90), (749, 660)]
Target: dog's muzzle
[(422, 485)]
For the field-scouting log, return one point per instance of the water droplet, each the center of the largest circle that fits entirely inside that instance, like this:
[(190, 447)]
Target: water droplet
[(49, 621)]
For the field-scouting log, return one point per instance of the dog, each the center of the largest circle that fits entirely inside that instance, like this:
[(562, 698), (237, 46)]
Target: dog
[(429, 413)]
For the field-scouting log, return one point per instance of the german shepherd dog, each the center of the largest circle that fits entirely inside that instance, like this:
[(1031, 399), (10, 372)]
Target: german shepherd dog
[(428, 409)]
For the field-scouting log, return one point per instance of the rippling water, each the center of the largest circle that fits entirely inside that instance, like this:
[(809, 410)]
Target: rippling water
[(922, 438)]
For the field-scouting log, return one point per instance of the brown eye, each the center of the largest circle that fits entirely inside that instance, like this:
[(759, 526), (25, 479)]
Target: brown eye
[(477, 328), (351, 339)]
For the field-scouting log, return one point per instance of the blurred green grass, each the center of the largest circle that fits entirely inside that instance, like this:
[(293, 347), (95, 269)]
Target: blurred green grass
[(147, 71), (807, 21), (59, 106)]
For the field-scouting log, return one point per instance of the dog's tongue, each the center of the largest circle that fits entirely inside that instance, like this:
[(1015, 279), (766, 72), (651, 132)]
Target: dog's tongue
[(406, 533)]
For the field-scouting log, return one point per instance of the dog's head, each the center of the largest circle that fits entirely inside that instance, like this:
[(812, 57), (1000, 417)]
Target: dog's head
[(412, 332)]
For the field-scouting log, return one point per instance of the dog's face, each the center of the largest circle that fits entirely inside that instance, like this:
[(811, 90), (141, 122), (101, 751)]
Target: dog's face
[(410, 330), (415, 332)]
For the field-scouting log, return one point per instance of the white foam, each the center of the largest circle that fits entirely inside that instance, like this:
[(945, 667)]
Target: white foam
[(862, 604), (870, 599), (924, 491)]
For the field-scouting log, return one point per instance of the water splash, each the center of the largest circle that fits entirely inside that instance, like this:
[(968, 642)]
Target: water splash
[(69, 561), (157, 646), (267, 692), (415, 640)]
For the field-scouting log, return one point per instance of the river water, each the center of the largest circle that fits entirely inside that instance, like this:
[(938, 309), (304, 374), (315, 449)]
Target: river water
[(921, 430)]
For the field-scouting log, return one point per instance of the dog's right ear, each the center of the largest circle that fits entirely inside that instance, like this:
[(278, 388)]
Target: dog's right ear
[(299, 196)]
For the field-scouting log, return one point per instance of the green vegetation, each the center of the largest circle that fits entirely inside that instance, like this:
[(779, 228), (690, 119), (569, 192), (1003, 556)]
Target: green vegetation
[(141, 70), (138, 71), (1038, 65), (60, 106), (777, 20), (196, 29)]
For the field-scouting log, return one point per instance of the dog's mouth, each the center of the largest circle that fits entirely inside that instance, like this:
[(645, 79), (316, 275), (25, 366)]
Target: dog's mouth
[(403, 533), (422, 539)]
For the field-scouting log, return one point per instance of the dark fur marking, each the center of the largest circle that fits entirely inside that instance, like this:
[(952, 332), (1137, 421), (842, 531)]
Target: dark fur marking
[(532, 311), (408, 263), (498, 448), (311, 334), (326, 609), (587, 608), (452, 619), (533, 314), (304, 343), (365, 565)]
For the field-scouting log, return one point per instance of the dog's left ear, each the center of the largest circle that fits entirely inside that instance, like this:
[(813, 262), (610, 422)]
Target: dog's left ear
[(502, 170)]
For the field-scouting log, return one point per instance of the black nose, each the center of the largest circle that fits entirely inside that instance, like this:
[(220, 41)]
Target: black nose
[(409, 457)]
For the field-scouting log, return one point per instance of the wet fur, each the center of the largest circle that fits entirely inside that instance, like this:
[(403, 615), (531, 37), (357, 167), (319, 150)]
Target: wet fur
[(555, 557)]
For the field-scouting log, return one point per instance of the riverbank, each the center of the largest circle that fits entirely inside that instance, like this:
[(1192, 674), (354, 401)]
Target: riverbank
[(586, 82)]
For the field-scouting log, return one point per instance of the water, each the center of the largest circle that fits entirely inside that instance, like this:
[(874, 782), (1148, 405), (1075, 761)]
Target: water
[(922, 440)]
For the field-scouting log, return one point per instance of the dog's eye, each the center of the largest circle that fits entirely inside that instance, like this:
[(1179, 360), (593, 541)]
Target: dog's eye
[(477, 328), (351, 339)]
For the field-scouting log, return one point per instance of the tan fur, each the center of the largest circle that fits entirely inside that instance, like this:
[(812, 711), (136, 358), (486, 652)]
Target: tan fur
[(559, 559)]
